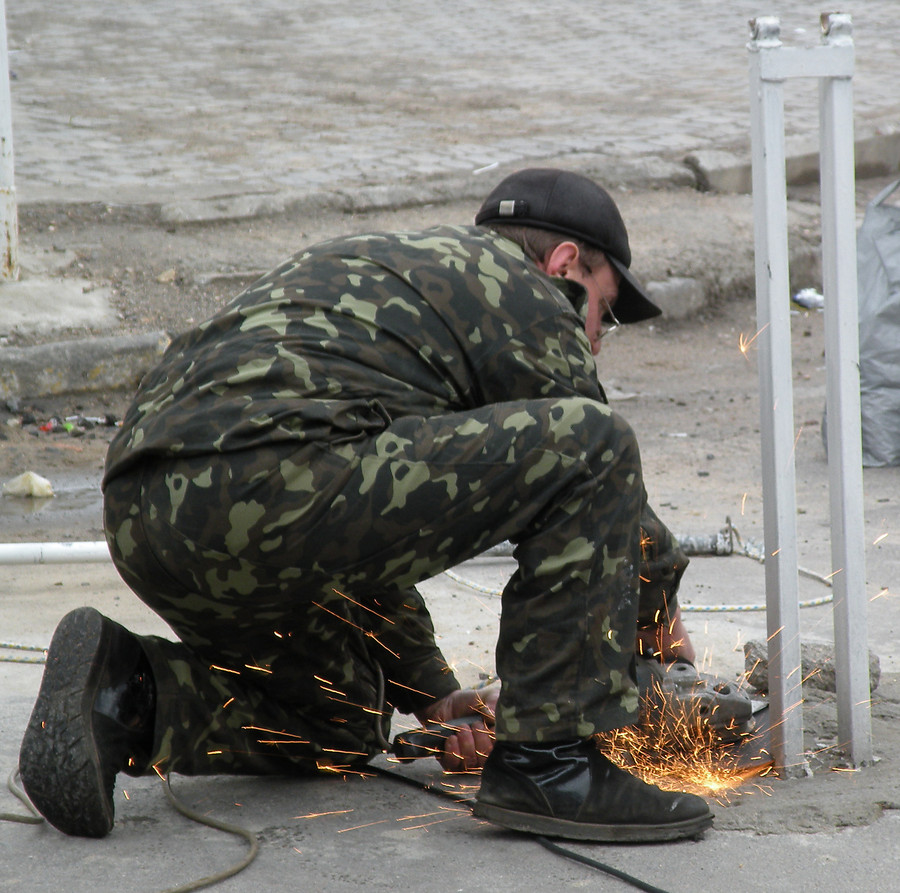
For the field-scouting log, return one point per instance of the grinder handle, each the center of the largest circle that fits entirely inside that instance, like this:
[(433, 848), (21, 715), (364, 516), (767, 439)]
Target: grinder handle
[(428, 741)]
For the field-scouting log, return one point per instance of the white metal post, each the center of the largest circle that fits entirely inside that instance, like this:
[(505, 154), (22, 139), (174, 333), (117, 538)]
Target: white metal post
[(770, 65), (839, 280), (9, 222), (776, 403)]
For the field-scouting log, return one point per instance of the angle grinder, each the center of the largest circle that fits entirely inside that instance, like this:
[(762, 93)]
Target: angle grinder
[(673, 693), (676, 694)]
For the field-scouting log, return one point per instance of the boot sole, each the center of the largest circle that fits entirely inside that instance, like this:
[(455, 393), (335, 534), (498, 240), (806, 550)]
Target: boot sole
[(58, 760), (549, 826)]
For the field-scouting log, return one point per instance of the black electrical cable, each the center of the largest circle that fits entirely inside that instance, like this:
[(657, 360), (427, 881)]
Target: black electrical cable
[(253, 841), (600, 866), (543, 841)]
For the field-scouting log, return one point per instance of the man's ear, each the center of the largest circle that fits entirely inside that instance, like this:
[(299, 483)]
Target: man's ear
[(560, 259)]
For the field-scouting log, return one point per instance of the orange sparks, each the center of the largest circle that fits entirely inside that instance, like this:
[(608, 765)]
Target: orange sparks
[(377, 641), (342, 770), (365, 632), (676, 757), (745, 343), (366, 825), (364, 607), (318, 815), (224, 669), (289, 737), (373, 710), (461, 814), (415, 690)]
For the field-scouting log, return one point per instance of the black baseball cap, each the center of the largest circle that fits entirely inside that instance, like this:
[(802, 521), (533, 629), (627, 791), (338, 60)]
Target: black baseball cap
[(571, 204)]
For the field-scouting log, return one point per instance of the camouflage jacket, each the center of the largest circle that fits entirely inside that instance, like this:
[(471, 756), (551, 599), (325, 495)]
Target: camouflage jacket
[(356, 331)]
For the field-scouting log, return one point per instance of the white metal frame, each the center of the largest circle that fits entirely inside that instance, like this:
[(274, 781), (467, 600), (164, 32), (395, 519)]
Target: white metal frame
[(9, 218), (832, 63)]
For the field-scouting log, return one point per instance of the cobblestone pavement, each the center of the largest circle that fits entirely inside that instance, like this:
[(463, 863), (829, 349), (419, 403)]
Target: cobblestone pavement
[(124, 100)]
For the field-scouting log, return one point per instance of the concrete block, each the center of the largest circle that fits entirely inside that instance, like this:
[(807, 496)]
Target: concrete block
[(43, 305), (678, 297), (720, 171), (816, 666), (77, 367), (878, 155)]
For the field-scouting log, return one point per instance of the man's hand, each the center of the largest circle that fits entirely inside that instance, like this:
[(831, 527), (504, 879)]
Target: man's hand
[(468, 748), (669, 639)]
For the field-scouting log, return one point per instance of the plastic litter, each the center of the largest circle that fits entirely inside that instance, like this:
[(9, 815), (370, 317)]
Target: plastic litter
[(28, 484), (878, 252), (809, 299)]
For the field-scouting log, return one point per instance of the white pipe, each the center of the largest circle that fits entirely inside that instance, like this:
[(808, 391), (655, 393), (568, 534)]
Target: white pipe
[(53, 553)]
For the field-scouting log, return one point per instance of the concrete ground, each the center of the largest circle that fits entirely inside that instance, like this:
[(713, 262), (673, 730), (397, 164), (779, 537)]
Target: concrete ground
[(216, 126)]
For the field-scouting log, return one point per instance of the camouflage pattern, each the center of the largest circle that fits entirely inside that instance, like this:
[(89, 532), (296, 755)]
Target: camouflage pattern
[(663, 563), (374, 411), (353, 333)]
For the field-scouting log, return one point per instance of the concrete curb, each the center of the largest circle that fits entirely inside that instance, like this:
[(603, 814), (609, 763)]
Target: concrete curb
[(726, 171), (77, 367), (117, 363), (642, 173)]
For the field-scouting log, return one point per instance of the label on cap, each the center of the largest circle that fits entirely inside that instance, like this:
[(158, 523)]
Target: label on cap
[(507, 208)]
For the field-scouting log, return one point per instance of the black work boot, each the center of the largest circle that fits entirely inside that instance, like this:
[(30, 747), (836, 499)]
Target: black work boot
[(569, 789), (93, 717)]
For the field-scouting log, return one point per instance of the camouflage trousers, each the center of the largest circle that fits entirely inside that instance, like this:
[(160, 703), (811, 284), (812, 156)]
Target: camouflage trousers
[(288, 575)]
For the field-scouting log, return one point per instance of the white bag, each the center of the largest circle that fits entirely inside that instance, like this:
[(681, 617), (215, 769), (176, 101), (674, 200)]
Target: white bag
[(878, 264)]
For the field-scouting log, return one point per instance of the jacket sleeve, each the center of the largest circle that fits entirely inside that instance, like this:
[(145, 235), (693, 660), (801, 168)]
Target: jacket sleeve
[(663, 564), (550, 358)]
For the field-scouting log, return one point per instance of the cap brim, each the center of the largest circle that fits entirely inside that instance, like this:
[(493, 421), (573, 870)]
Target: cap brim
[(632, 305)]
